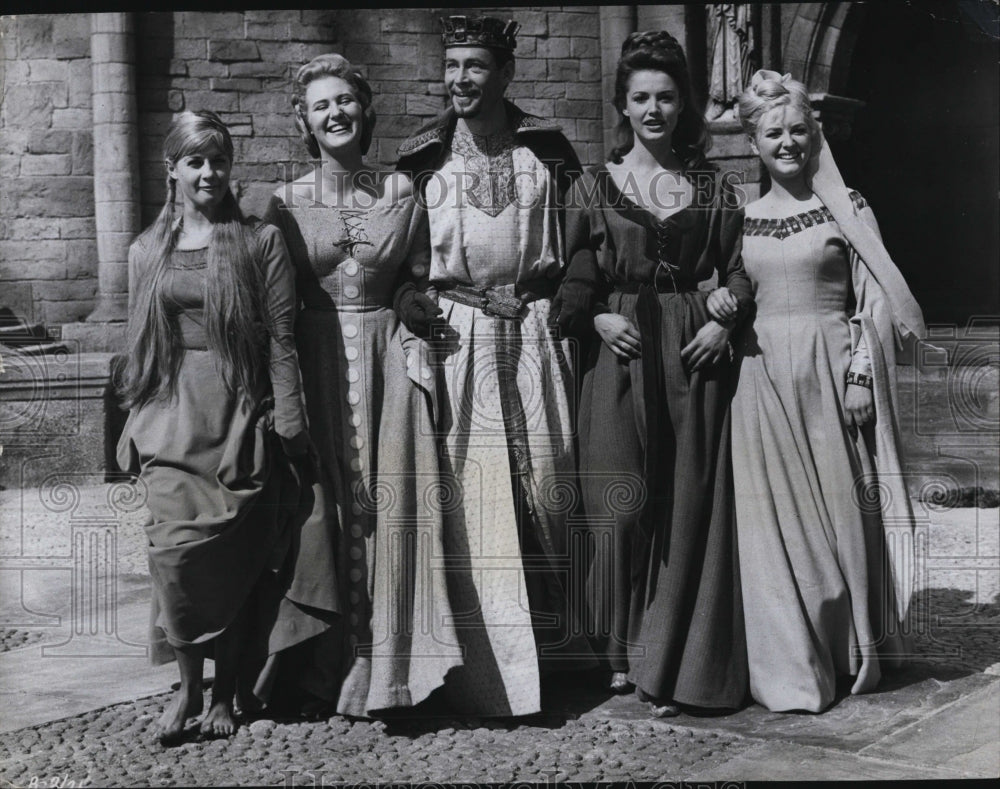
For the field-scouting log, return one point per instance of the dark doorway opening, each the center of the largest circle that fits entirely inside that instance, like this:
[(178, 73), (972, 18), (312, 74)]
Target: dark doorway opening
[(925, 150)]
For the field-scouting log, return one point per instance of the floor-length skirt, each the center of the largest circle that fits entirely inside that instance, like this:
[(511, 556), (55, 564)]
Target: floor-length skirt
[(508, 457), (663, 589), (817, 595), (371, 425)]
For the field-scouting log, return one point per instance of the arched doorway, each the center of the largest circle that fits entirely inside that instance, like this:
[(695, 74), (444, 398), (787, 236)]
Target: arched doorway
[(924, 148)]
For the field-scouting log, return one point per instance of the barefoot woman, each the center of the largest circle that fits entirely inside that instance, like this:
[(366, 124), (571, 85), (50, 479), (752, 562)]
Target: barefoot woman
[(210, 339)]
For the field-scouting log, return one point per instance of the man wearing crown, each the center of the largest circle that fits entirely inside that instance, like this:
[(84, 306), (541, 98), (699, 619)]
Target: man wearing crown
[(493, 178)]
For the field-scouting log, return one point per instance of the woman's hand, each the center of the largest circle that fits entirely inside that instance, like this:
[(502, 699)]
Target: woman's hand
[(297, 446), (619, 334), (859, 404), (722, 305), (709, 346)]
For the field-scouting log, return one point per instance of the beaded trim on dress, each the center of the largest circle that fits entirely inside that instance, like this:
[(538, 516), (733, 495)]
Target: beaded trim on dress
[(789, 225)]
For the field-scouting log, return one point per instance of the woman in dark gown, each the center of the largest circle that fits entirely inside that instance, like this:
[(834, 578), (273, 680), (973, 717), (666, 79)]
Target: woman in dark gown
[(211, 377), (643, 231)]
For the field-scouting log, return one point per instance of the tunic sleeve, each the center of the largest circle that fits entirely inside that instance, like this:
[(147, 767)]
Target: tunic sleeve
[(585, 288), (289, 418), (272, 214), (417, 265), (871, 302), (730, 260)]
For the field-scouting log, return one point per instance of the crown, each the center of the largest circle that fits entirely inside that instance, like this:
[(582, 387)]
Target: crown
[(479, 31)]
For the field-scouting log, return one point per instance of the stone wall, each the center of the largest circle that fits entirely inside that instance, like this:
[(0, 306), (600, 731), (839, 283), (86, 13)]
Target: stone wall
[(48, 251), (239, 64)]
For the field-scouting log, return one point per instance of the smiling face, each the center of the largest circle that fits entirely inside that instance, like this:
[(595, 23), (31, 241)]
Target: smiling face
[(334, 114), (653, 106), (474, 81), (202, 177), (784, 143)]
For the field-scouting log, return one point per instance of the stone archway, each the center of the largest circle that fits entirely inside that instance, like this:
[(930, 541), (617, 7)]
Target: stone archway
[(817, 49)]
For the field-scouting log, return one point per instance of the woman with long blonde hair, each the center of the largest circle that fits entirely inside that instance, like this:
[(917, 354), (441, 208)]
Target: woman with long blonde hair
[(211, 378)]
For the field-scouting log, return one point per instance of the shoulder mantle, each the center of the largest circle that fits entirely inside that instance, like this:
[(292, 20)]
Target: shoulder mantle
[(437, 131)]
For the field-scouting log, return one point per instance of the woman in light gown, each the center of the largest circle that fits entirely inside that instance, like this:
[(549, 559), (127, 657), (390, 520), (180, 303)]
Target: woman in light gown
[(821, 502), (355, 233), (212, 382)]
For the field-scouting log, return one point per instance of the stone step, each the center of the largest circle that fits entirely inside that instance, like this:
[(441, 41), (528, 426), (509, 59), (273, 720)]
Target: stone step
[(17, 334), (26, 349), (20, 332)]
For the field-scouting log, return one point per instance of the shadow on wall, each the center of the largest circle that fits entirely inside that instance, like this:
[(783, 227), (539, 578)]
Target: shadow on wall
[(925, 150)]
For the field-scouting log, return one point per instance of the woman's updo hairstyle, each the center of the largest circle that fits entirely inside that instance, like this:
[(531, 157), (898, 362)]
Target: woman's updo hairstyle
[(769, 89), (657, 50), (331, 65)]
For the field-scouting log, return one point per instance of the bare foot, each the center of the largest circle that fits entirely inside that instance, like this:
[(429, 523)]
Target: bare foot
[(169, 728), (219, 722), (619, 683)]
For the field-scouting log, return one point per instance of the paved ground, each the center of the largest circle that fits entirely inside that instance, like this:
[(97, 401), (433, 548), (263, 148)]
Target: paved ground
[(77, 698)]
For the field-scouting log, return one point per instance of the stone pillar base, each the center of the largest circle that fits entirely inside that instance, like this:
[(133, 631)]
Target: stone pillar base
[(57, 414), (111, 308)]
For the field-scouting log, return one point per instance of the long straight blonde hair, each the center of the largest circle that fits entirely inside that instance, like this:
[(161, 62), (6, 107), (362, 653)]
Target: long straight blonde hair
[(235, 312)]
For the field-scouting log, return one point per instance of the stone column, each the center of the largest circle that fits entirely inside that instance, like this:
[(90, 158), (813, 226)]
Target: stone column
[(617, 22), (116, 159)]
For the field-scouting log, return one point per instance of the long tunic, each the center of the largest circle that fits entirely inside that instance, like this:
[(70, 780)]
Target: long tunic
[(370, 417), (663, 585), (818, 600), (212, 466), (506, 425)]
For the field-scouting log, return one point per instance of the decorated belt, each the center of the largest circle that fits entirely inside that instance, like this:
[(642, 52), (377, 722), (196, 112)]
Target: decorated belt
[(504, 301)]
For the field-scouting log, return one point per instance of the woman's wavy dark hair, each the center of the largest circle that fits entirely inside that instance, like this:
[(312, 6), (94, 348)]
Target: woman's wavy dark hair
[(660, 51), (235, 306)]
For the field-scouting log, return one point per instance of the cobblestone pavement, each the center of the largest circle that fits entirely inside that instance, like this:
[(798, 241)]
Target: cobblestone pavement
[(959, 633), (111, 747), (587, 736), (11, 638)]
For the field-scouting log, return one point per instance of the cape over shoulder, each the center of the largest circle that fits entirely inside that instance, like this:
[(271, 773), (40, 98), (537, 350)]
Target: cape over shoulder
[(431, 138)]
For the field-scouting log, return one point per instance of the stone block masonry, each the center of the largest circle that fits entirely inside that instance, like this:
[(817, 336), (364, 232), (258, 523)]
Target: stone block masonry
[(241, 65), (46, 158)]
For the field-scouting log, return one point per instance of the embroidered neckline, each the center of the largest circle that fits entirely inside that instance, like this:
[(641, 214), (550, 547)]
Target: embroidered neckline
[(782, 228), (200, 262), (490, 159)]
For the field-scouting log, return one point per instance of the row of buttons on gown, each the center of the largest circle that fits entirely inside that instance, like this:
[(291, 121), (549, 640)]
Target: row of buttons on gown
[(352, 351)]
